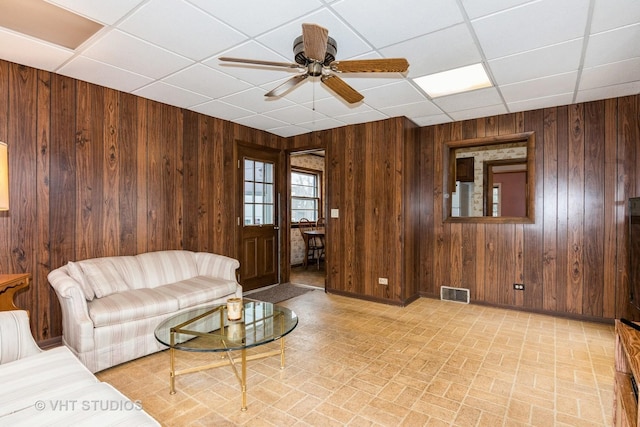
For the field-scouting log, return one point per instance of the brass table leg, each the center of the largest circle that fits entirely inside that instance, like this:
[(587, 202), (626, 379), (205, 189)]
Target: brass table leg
[(172, 365), (244, 379), (282, 353)]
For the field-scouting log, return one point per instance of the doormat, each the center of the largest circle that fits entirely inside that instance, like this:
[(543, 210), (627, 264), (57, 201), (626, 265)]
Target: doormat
[(278, 293)]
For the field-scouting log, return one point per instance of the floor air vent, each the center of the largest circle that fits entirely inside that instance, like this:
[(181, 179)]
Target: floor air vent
[(454, 294)]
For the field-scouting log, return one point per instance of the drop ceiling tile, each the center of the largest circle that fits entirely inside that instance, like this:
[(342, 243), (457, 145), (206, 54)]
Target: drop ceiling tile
[(254, 17), (106, 12), (259, 121), (382, 23), (613, 46), (349, 43), (538, 88), (326, 123), (32, 52), (206, 81), (399, 93), (362, 117), (531, 26), (102, 74), (295, 114), (431, 120), (609, 14), (476, 9), (254, 100), (475, 113), (415, 109), (427, 56), (608, 92), (221, 110), (546, 61), (611, 74), (464, 101), (545, 102), (171, 95), (335, 106), (135, 55), (181, 28), (287, 131)]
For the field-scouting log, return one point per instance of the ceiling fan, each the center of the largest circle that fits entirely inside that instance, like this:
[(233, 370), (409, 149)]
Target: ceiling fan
[(315, 53)]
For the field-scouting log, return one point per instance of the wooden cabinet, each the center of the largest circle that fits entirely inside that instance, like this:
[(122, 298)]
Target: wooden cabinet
[(10, 284), (627, 360), (465, 169)]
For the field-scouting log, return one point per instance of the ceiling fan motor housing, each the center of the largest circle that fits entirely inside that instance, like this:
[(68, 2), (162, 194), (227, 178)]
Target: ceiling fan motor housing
[(300, 58)]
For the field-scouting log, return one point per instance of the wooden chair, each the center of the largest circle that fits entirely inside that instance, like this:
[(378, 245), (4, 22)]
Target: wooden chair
[(320, 223), (312, 245)]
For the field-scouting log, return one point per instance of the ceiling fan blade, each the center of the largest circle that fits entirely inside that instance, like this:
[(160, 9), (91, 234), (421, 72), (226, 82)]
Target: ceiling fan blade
[(342, 89), (259, 62), (315, 40), (386, 65), (287, 85)]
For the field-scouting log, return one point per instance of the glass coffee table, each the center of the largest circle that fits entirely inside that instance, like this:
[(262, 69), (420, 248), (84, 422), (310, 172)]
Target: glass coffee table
[(208, 329)]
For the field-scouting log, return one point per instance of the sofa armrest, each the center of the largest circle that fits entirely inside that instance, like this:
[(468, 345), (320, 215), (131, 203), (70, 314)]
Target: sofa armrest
[(16, 340), (215, 265), (77, 326)]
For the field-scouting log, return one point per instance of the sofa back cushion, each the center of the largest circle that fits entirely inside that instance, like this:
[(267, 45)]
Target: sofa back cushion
[(103, 276), (130, 271), (76, 273), (163, 267)]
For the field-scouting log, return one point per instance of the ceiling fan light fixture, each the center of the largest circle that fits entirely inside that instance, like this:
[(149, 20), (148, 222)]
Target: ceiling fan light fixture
[(463, 79)]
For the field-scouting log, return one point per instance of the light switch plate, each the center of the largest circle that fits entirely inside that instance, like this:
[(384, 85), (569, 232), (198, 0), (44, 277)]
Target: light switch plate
[(335, 213)]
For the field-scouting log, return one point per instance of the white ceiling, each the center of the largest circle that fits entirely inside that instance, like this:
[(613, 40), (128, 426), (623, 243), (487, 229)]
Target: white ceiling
[(538, 54)]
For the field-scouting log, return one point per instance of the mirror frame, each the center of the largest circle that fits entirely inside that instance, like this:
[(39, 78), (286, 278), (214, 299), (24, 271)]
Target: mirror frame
[(449, 160)]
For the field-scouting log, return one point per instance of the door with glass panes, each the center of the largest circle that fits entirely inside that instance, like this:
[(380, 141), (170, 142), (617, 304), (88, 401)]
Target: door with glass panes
[(258, 223)]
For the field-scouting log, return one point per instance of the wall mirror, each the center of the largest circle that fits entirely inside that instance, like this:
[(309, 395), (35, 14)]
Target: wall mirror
[(490, 180)]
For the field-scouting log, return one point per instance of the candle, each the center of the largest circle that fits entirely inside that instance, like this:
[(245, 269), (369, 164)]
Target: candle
[(234, 308), (235, 331)]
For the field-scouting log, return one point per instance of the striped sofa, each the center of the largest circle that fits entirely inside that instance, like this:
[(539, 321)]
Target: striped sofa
[(112, 305), (52, 387)]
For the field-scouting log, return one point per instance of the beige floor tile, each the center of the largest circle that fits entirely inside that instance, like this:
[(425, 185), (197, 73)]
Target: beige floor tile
[(433, 363)]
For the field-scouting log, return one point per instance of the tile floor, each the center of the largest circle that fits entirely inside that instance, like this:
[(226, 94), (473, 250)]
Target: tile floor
[(308, 276), (433, 363)]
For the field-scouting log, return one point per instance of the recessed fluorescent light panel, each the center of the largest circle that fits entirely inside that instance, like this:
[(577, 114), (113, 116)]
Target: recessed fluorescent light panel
[(458, 80), (46, 21)]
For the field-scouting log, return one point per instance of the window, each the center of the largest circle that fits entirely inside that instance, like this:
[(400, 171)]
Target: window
[(258, 193), (497, 193), (305, 195)]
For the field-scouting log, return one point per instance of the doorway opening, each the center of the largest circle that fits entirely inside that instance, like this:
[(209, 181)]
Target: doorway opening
[(307, 215)]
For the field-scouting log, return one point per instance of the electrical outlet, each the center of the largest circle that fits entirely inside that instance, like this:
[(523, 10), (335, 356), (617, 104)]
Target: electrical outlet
[(518, 286), (383, 281)]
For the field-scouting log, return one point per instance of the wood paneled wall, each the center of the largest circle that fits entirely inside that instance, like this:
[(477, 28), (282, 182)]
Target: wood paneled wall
[(573, 259), (96, 172), (371, 174)]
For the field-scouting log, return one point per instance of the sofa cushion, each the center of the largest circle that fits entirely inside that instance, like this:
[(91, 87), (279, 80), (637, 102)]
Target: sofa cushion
[(43, 376), (198, 290), (163, 267), (130, 271), (131, 305), (75, 271), (103, 276)]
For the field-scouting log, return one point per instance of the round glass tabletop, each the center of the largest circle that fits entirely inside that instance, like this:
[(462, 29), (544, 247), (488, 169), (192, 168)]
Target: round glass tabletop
[(208, 329)]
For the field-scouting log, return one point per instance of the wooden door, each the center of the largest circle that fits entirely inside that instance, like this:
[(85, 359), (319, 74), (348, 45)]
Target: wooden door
[(258, 219)]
